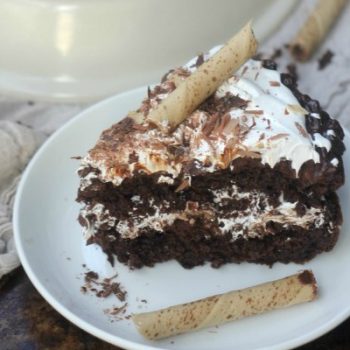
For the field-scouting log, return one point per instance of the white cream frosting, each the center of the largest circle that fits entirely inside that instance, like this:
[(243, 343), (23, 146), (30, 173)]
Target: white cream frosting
[(95, 217), (251, 220), (273, 117), (247, 223), (265, 92)]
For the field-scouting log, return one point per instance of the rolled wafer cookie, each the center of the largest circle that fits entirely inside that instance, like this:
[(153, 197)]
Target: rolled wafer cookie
[(222, 308), (315, 28), (188, 95)]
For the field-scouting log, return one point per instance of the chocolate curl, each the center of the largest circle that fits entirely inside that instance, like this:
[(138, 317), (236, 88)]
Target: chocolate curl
[(205, 80), (315, 28), (222, 308)]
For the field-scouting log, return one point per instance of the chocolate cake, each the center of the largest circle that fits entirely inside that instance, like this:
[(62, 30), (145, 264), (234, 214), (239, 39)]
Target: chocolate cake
[(249, 176)]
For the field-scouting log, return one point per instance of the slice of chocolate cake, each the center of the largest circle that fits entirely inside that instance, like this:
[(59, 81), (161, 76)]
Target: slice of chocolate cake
[(250, 175)]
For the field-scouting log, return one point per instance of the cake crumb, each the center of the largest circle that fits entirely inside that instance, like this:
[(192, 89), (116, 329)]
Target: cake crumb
[(325, 59), (104, 288), (117, 312), (91, 276)]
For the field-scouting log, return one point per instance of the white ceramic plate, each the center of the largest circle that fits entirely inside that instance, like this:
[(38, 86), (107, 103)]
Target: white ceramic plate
[(50, 244)]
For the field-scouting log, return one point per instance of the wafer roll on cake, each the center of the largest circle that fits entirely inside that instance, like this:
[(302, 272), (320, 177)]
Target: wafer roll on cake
[(188, 95), (223, 308)]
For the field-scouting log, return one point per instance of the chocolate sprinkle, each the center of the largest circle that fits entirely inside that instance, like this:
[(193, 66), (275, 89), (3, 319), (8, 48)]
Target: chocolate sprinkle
[(301, 130)]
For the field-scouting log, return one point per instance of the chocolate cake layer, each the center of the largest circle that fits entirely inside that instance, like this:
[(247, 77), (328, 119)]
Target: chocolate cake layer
[(249, 176), (220, 218)]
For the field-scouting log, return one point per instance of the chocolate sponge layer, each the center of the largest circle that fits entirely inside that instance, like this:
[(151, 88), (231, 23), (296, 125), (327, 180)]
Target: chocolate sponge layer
[(200, 238)]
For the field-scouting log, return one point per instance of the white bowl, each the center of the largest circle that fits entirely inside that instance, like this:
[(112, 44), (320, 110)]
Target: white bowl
[(86, 49)]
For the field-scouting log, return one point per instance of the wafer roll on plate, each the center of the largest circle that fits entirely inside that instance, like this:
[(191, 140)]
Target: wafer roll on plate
[(223, 308)]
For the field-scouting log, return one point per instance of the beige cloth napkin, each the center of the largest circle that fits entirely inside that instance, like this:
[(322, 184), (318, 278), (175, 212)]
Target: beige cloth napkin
[(17, 144), (331, 86), (23, 128)]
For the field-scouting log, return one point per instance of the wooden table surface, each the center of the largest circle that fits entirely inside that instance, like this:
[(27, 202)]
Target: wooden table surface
[(28, 322)]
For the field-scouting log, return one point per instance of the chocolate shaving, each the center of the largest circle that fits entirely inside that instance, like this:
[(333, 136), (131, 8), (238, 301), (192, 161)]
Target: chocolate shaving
[(104, 288), (115, 311), (199, 61), (224, 121), (183, 185), (210, 125), (244, 70), (222, 105), (165, 76), (140, 127), (182, 72), (256, 111), (91, 276), (77, 157), (325, 59), (253, 124), (301, 129), (275, 83), (278, 136), (111, 288), (268, 124), (133, 157), (232, 127)]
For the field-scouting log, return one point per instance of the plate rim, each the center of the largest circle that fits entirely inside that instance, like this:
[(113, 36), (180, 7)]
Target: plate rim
[(78, 321)]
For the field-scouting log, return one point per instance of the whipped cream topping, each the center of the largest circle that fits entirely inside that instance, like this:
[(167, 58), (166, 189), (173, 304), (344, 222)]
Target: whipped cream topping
[(251, 222), (270, 126), (277, 119), (95, 217), (248, 223)]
